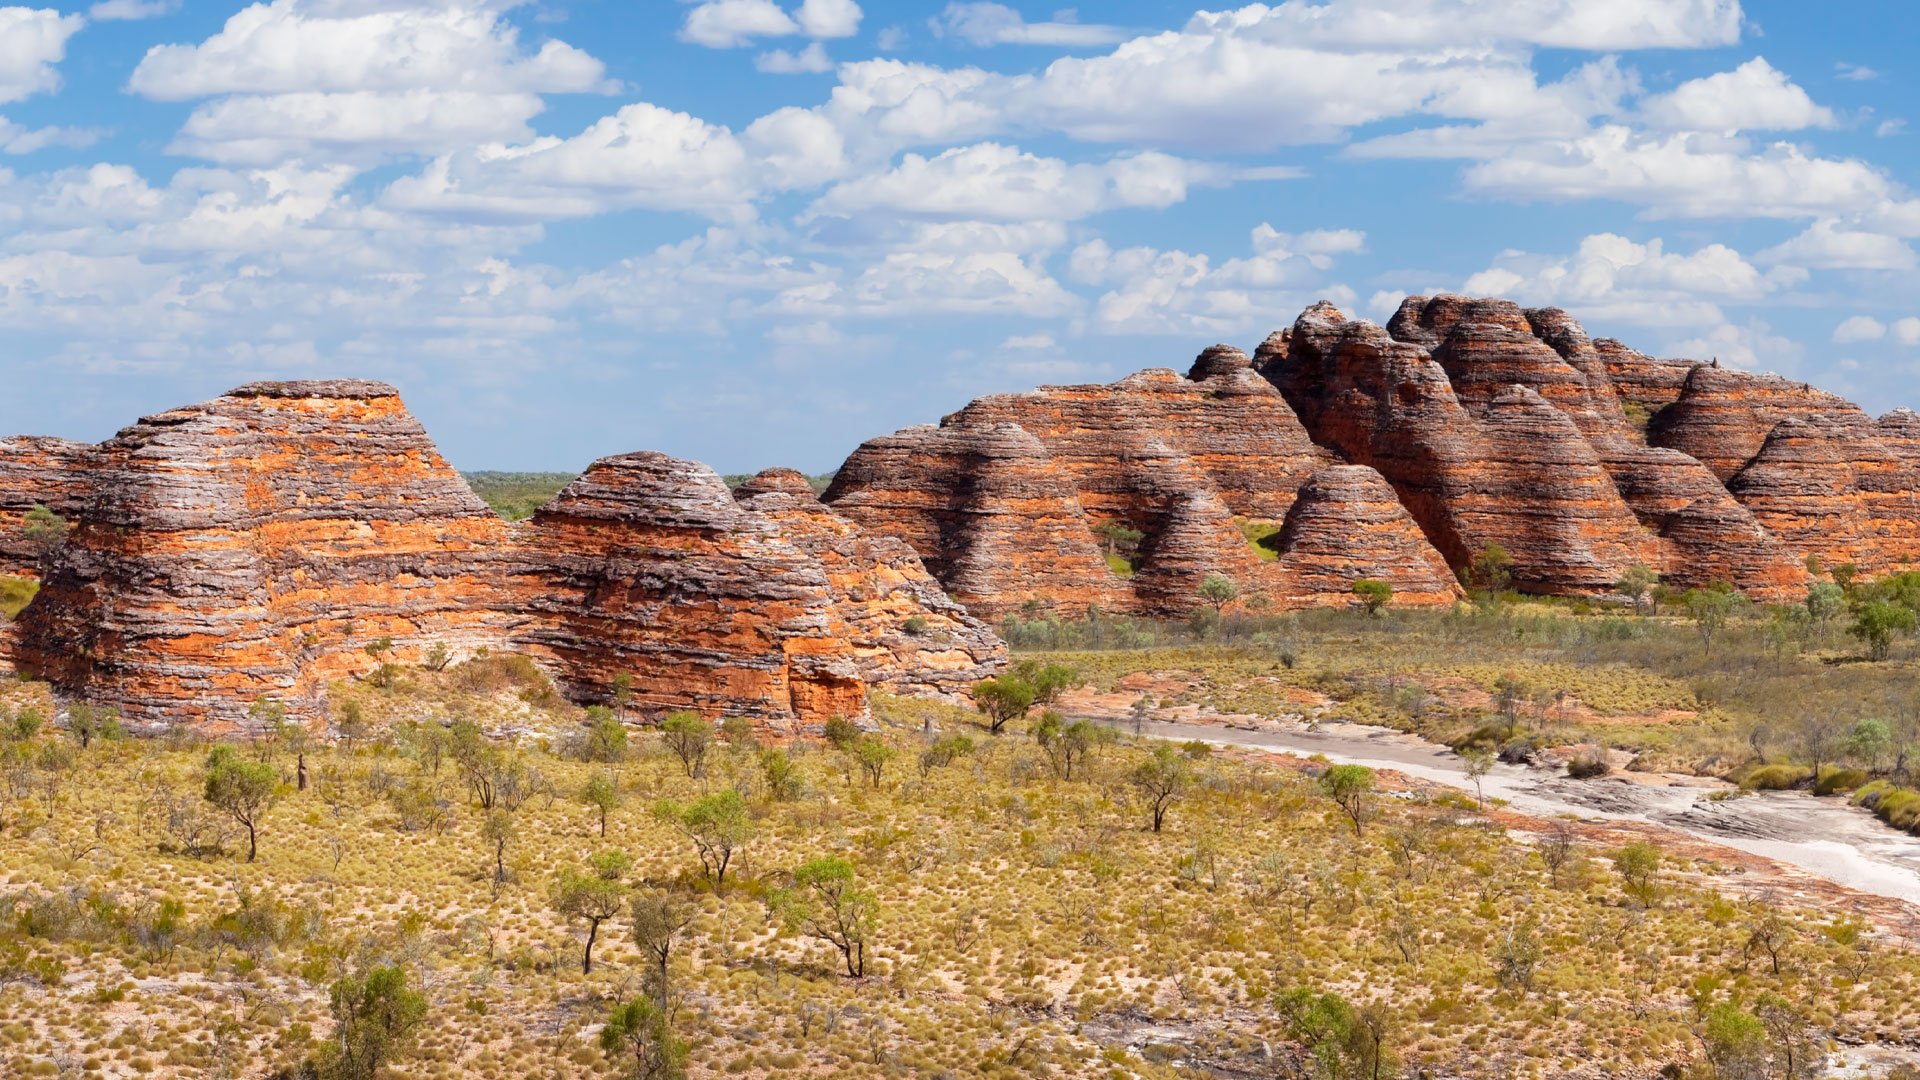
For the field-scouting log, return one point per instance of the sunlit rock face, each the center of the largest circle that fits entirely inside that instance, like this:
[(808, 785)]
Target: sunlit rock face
[(256, 545), (1488, 423)]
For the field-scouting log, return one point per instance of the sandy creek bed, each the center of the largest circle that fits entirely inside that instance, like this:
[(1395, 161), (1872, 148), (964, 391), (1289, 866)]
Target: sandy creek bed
[(1824, 837)]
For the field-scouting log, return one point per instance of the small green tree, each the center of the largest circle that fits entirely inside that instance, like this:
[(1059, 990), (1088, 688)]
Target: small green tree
[(606, 736), (1218, 590), (594, 897), (1350, 786), (602, 793), (622, 693), (777, 770), (1068, 746), (840, 732), (1638, 865), (1003, 698), (689, 736), (438, 657), (1519, 953), (1637, 584), (1787, 1031), (1479, 762), (1049, 681), (86, 723), (498, 830), (872, 755), (1710, 609), (353, 724), (660, 917), (717, 824), (1489, 572), (641, 1031), (1733, 1041), (1875, 622), (826, 903), (1825, 602), (1344, 1043), (944, 752), (244, 789), (1374, 595), (374, 1020), (1162, 780), (1119, 538)]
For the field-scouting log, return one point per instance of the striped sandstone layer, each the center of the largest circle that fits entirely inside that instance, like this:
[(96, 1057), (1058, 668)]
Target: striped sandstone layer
[(255, 545)]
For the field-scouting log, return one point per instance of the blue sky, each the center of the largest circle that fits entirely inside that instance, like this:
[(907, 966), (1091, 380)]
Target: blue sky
[(757, 232)]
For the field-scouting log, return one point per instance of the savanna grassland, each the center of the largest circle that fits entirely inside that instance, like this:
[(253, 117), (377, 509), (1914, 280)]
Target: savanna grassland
[(919, 899)]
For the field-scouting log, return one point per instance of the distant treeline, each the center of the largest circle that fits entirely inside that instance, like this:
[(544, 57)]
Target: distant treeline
[(516, 495)]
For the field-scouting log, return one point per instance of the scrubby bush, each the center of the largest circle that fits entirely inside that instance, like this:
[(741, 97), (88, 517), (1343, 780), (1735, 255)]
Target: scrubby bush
[(1833, 781), (1777, 777)]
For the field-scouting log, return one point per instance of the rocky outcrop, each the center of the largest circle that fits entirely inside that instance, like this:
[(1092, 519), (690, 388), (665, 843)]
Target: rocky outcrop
[(645, 565), (1496, 466), (1347, 525), (906, 634), (1801, 489), (36, 471), (1194, 465), (286, 535), (1490, 424), (1645, 381), (253, 547), (988, 511)]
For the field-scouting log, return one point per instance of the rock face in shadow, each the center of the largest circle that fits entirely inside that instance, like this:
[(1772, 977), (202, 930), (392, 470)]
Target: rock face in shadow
[(258, 544)]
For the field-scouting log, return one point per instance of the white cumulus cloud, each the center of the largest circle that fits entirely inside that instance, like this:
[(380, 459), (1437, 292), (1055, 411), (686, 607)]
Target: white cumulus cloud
[(32, 41), (307, 77), (992, 182), (985, 23), (729, 24), (1752, 97), (1859, 328)]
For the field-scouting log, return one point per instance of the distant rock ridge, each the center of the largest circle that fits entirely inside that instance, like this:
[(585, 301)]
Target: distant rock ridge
[(256, 545), (1480, 422)]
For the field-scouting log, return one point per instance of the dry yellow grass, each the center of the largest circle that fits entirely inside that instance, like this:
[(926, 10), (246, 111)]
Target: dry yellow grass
[(1029, 925)]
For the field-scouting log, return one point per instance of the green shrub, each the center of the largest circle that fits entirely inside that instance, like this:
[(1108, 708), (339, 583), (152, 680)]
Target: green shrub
[(1836, 780), (1897, 806), (1774, 777)]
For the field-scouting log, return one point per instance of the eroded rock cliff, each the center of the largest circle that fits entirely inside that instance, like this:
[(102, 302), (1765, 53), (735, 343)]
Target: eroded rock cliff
[(286, 535), (1485, 424)]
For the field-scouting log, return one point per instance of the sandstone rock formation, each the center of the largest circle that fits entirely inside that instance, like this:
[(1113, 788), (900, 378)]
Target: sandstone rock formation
[(906, 634), (1004, 498), (646, 566), (34, 472), (1347, 524), (256, 545), (1484, 423)]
